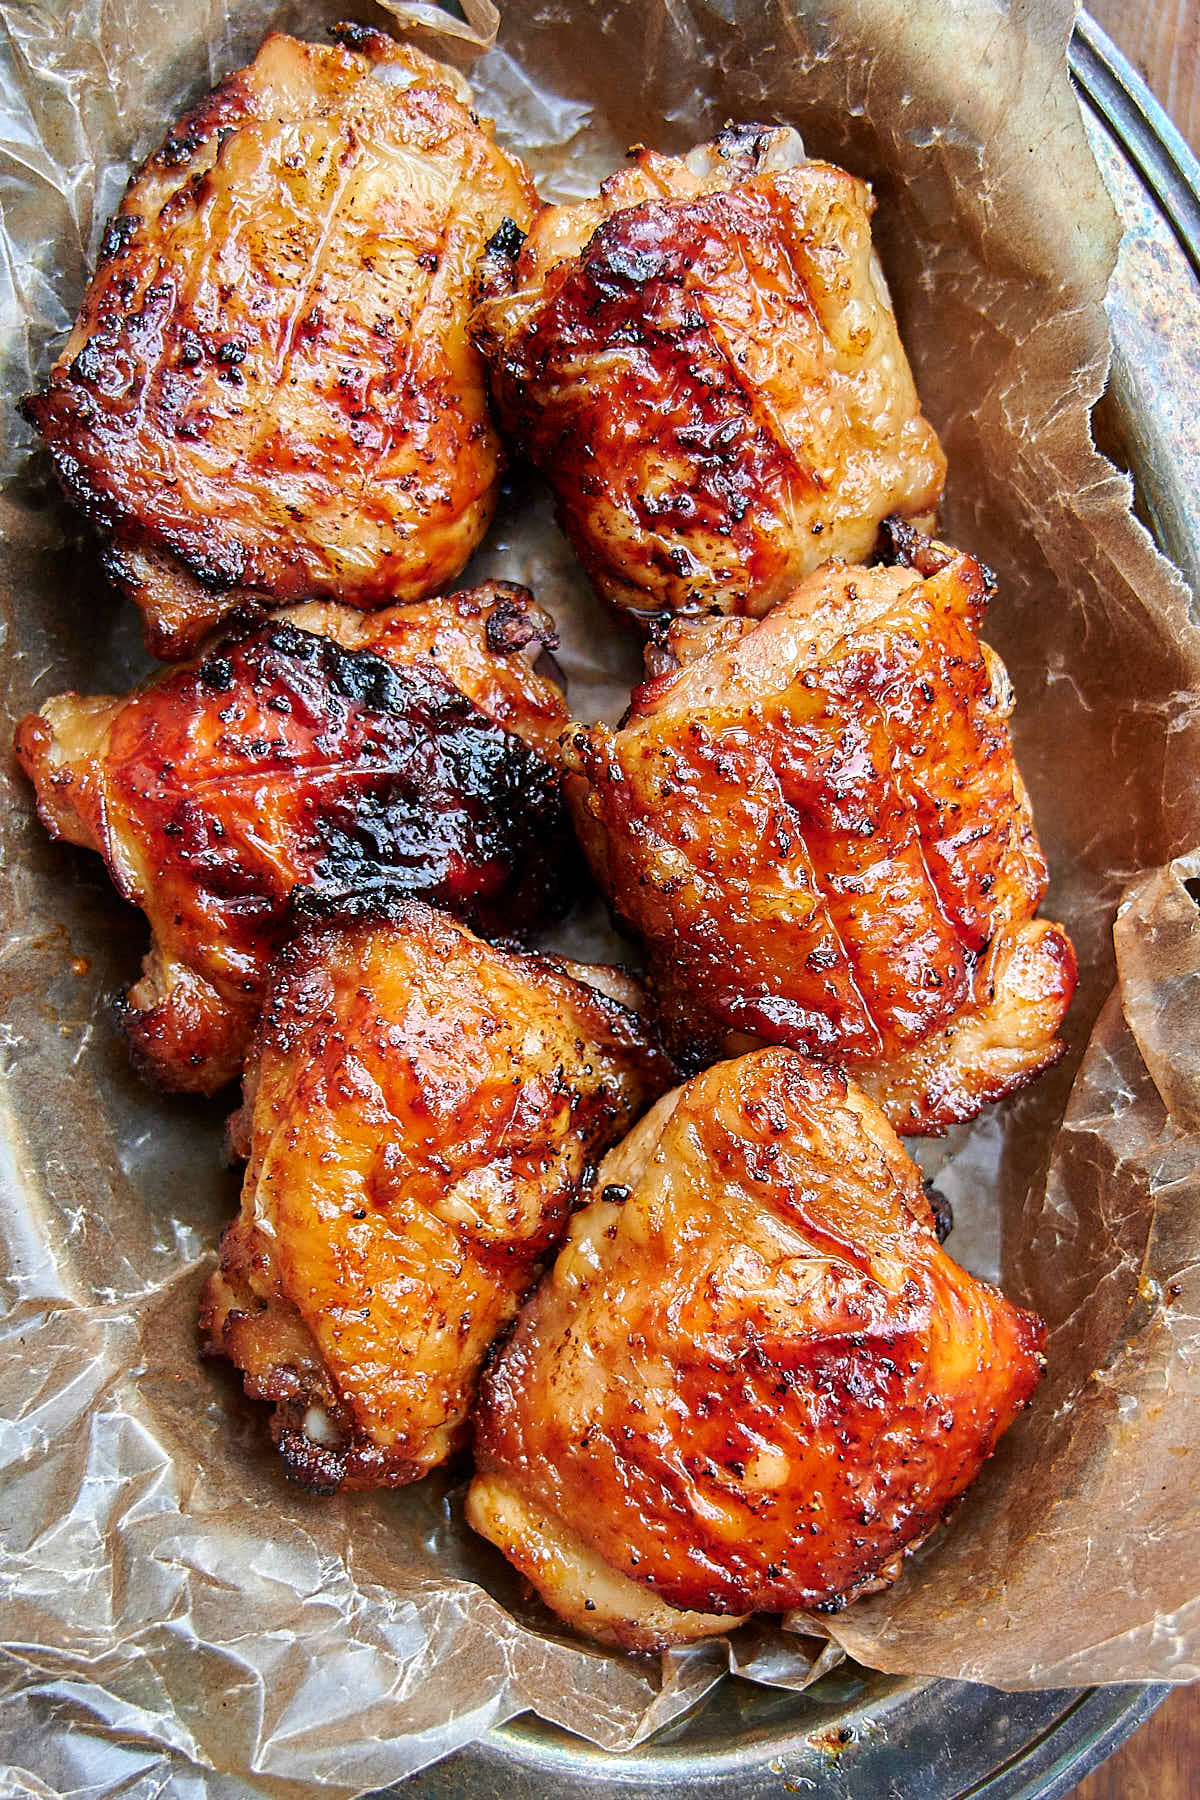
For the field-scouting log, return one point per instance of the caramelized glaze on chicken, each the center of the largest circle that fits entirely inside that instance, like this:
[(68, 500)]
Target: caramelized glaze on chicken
[(817, 826), (321, 761), (752, 1378), (420, 1112), (704, 362), (269, 390)]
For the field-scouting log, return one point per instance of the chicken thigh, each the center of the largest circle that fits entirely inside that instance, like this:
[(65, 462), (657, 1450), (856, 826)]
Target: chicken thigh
[(752, 1377), (420, 1112), (314, 763), (704, 362), (817, 826), (269, 390)]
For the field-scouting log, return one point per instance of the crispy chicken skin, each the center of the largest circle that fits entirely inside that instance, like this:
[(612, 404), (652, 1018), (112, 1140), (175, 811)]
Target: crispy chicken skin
[(752, 1377), (421, 1110), (817, 826), (705, 363), (317, 761), (269, 390)]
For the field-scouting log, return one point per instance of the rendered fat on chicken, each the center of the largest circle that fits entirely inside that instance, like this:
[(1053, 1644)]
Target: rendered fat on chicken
[(752, 1377), (269, 390), (817, 826), (421, 1110), (705, 363), (320, 762)]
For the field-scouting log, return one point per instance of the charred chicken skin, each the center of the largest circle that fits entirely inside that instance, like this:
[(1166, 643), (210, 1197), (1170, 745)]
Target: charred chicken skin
[(752, 1377), (320, 761), (705, 363), (421, 1109), (817, 826), (269, 390)]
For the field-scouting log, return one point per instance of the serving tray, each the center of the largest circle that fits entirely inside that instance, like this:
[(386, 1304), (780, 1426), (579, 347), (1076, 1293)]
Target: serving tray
[(857, 1733)]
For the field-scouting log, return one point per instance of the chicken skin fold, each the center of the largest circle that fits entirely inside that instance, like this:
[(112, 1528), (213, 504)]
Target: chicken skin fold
[(420, 1112), (817, 826), (269, 389), (752, 1377), (319, 762), (704, 362)]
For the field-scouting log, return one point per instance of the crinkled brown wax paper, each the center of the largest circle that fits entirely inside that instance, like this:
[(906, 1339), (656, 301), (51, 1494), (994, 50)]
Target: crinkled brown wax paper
[(175, 1613)]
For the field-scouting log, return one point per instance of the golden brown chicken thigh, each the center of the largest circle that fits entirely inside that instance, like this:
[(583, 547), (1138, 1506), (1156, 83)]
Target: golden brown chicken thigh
[(817, 826), (752, 1377), (269, 390), (319, 761), (421, 1110), (704, 362)]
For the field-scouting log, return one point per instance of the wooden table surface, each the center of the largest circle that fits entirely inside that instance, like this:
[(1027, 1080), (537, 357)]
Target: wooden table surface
[(1161, 38)]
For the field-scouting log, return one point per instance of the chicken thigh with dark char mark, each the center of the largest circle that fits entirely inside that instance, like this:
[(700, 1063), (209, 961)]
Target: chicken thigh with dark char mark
[(320, 762), (752, 1377), (817, 826), (421, 1110), (269, 392)]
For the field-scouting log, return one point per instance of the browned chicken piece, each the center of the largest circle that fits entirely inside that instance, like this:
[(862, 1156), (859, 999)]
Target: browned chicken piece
[(324, 760), (269, 392), (705, 363), (817, 826), (421, 1111), (752, 1378)]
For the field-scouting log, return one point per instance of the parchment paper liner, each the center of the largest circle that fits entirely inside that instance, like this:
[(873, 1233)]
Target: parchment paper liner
[(171, 1608)]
